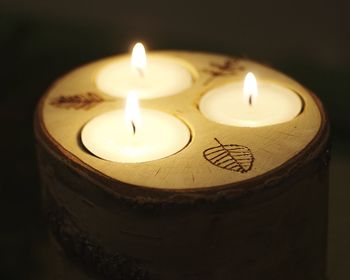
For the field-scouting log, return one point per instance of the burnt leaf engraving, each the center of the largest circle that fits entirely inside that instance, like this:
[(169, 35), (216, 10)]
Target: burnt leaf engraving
[(231, 157), (227, 68), (83, 101)]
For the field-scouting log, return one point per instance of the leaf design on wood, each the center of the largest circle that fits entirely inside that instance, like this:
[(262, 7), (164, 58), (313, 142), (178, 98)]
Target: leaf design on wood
[(83, 101), (231, 157), (228, 67)]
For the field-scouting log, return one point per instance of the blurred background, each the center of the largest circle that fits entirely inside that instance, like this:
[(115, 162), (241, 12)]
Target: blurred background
[(41, 40)]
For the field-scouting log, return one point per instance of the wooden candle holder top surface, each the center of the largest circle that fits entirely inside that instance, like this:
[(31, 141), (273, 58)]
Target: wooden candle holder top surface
[(74, 100)]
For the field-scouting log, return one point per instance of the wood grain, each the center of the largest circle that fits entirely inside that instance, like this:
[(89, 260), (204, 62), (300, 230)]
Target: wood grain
[(272, 146)]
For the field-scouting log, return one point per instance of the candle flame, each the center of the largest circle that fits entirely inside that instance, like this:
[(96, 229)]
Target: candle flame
[(250, 88), (132, 111), (139, 58)]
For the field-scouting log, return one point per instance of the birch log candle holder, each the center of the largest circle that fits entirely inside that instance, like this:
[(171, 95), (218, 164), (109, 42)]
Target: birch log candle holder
[(235, 203)]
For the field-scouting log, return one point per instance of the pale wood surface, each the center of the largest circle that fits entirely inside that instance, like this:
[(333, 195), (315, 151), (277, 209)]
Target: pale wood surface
[(271, 146)]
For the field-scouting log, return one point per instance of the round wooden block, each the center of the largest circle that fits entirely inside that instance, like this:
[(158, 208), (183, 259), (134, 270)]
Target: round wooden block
[(186, 216)]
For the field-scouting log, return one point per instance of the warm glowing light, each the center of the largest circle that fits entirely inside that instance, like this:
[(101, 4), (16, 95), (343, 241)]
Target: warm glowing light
[(250, 88), (132, 112), (139, 58)]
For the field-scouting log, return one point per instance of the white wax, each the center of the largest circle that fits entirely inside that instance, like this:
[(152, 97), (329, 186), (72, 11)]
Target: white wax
[(158, 135), (274, 104), (162, 76)]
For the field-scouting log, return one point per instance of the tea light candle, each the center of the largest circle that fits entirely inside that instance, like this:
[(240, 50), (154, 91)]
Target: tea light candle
[(133, 135), (250, 105), (151, 77)]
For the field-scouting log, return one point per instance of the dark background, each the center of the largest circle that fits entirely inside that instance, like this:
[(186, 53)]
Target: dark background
[(41, 40)]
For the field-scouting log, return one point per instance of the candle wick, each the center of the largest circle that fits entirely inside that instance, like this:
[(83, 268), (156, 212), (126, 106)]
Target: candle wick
[(133, 127), (140, 71), (250, 100)]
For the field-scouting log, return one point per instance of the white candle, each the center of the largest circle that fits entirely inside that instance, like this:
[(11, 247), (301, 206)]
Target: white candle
[(134, 135), (151, 77), (250, 104)]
